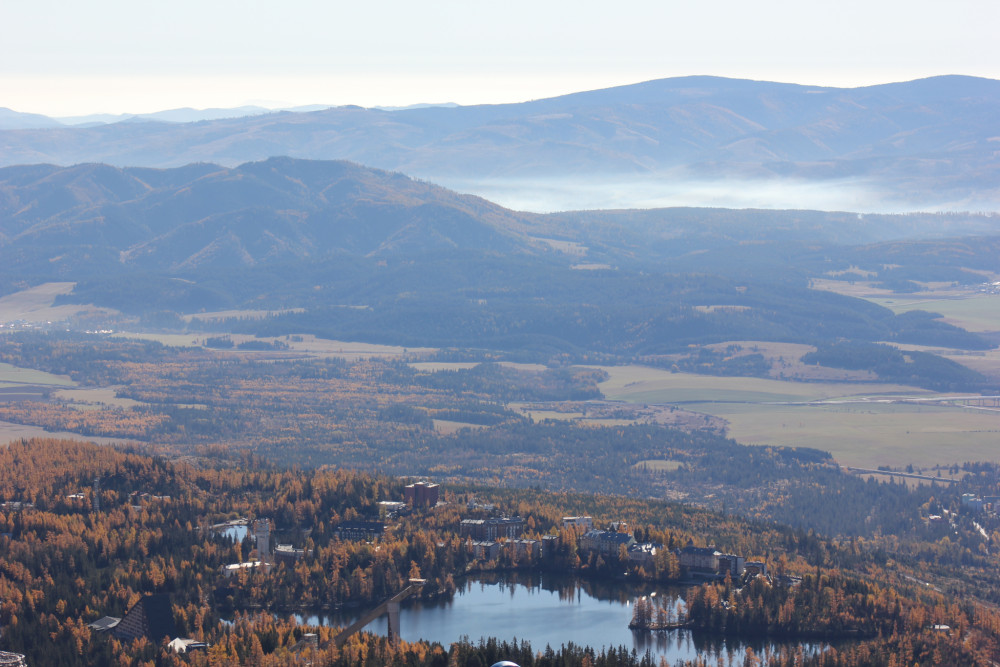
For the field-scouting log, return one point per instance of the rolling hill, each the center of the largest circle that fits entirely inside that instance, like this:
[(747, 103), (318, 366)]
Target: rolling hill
[(97, 217), (363, 254)]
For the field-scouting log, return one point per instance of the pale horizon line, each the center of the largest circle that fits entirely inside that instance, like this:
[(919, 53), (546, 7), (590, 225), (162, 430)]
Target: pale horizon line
[(210, 93)]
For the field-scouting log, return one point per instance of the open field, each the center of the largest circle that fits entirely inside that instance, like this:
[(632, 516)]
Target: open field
[(863, 434), (962, 306), (520, 366), (565, 247), (975, 312), (217, 315), (611, 413), (435, 366), (297, 345), (10, 432), (986, 362), (577, 417), (784, 360), (913, 482), (869, 435), (170, 340), (641, 384), (94, 399), (721, 309), (786, 364), (658, 465), (447, 427), (591, 266), (542, 415), (35, 305), (12, 375)]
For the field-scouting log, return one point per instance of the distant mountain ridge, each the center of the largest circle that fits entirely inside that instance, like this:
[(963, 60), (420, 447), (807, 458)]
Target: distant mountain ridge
[(96, 218), (914, 138), (205, 215), (354, 253)]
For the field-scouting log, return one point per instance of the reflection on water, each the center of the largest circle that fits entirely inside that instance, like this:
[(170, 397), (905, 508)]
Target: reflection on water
[(553, 610), (235, 533)]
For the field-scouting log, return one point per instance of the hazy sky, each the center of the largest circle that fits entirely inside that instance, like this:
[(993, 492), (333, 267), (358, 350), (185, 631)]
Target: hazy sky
[(68, 58)]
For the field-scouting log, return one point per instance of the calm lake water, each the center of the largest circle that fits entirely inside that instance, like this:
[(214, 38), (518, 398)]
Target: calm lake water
[(235, 533), (548, 610)]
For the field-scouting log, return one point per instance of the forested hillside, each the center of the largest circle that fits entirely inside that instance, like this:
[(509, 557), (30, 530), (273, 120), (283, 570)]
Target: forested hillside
[(383, 415), (346, 252), (66, 562)]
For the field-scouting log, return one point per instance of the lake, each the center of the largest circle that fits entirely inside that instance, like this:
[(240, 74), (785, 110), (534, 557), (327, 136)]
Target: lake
[(548, 609)]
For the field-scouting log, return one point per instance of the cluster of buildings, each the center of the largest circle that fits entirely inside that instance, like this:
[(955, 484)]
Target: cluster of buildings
[(981, 504), (712, 563), (489, 537), (419, 495), (492, 529), (151, 617), (696, 562)]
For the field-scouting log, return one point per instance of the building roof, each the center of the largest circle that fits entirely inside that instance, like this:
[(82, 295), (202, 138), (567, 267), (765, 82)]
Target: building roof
[(104, 624), (151, 617), (609, 537), (12, 659), (360, 525), (701, 551), (233, 567), (185, 644)]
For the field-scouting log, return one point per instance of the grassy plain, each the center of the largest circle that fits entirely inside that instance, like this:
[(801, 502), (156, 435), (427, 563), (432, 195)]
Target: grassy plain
[(785, 360), (986, 362), (857, 433), (35, 305), (973, 312), (965, 307), (12, 375), (869, 435), (218, 315), (542, 415), (658, 465), (298, 345), (447, 427), (642, 384), (435, 366), (94, 399), (10, 432), (578, 417)]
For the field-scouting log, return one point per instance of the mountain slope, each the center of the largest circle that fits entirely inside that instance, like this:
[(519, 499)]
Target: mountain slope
[(96, 216)]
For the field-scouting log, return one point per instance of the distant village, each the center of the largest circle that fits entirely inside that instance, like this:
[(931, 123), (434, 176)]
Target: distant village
[(492, 539)]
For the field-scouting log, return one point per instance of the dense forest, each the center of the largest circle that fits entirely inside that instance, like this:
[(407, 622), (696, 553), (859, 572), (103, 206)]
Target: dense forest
[(65, 563), (915, 368), (350, 253), (524, 312), (380, 415), (528, 304)]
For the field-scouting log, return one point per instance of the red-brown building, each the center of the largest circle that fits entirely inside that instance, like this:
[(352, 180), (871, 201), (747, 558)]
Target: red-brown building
[(421, 494)]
